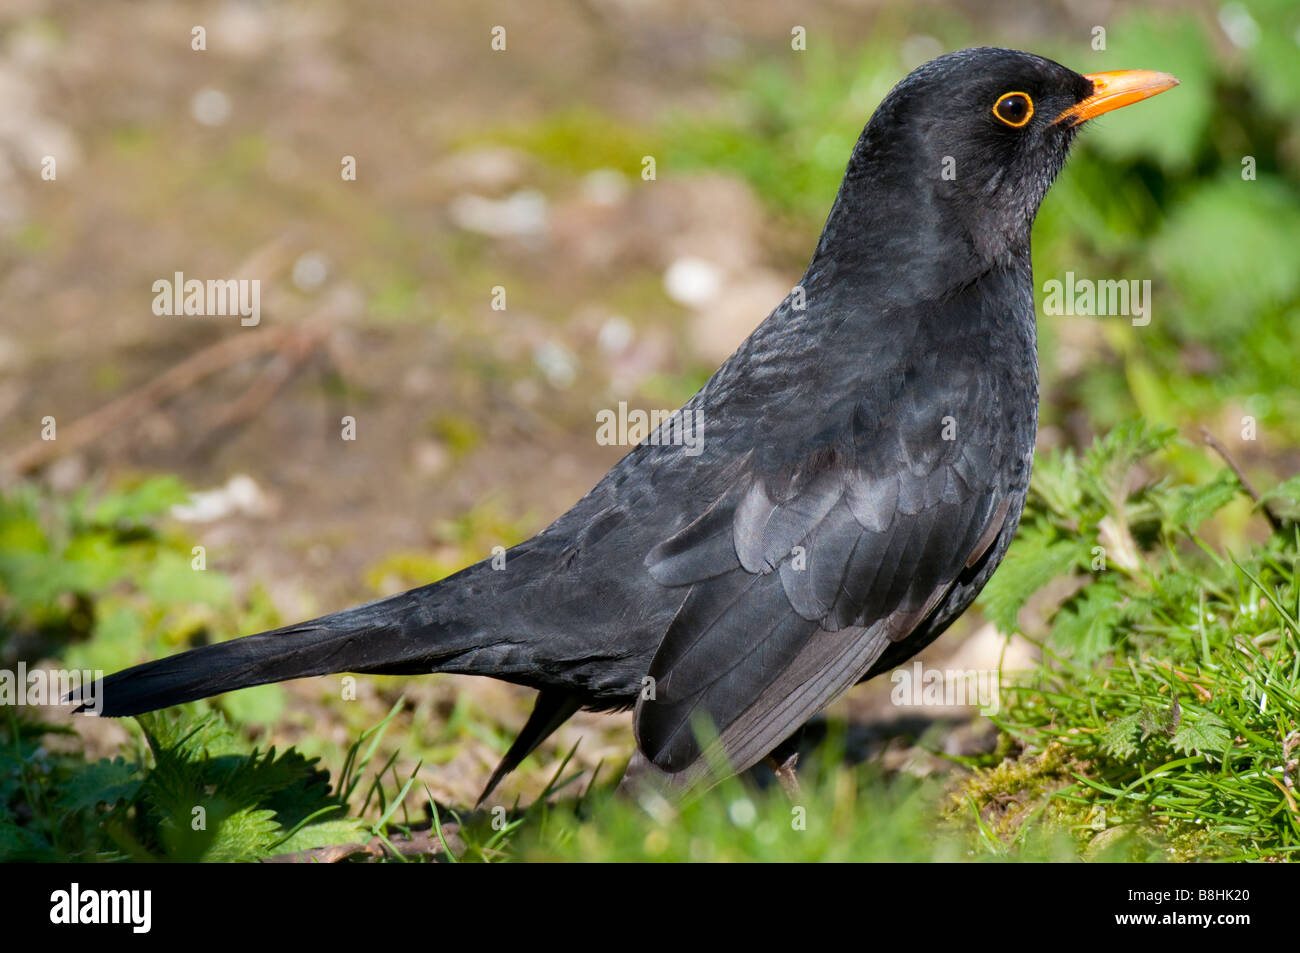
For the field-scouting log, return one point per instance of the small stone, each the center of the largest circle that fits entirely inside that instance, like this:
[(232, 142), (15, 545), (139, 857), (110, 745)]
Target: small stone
[(210, 107), (692, 281)]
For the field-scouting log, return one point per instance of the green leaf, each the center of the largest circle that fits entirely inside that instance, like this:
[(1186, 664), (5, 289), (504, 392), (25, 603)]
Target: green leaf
[(152, 498), (1204, 734), (117, 641), (171, 580), (19, 843), (1188, 506), (1119, 737), (1084, 627), (246, 834), (103, 782), (325, 833), (1288, 489), (261, 705), (1032, 562), (1113, 454)]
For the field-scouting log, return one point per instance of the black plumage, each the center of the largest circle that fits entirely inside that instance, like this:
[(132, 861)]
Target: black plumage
[(866, 454)]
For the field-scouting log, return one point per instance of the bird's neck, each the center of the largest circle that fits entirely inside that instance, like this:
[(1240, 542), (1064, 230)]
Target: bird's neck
[(893, 231)]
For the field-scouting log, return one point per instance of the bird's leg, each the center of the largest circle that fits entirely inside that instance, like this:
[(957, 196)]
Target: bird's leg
[(784, 761), (787, 775)]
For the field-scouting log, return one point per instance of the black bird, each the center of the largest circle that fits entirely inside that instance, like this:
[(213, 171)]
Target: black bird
[(865, 455)]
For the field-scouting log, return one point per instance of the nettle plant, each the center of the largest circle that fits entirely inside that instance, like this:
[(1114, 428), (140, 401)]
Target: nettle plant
[(1168, 695)]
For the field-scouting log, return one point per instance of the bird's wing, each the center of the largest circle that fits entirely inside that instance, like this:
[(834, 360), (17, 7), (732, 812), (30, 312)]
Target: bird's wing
[(801, 575)]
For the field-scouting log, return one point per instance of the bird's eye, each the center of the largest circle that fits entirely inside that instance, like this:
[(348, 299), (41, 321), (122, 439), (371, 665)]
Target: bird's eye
[(1014, 109)]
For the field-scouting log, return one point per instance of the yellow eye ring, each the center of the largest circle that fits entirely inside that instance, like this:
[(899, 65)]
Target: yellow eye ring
[(1010, 112)]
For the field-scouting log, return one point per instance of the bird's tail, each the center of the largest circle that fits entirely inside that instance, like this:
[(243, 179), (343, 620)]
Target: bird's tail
[(403, 634)]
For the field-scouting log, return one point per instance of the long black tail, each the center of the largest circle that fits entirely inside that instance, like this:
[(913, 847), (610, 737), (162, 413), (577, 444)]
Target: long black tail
[(403, 634)]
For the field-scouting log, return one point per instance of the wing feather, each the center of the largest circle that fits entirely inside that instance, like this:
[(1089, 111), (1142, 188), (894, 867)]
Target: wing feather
[(801, 576)]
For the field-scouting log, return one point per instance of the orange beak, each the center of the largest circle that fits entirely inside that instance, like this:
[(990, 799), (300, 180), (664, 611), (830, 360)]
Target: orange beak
[(1115, 89)]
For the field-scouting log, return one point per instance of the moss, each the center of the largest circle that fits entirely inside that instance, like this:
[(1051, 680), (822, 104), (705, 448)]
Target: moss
[(458, 432)]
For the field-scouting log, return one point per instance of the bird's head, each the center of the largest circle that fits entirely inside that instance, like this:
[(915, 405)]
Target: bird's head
[(964, 149)]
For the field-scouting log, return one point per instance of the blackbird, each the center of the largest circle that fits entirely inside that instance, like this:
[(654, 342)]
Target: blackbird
[(858, 469)]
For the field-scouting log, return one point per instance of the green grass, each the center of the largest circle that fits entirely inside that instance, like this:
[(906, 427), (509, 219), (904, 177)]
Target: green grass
[(1170, 678)]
